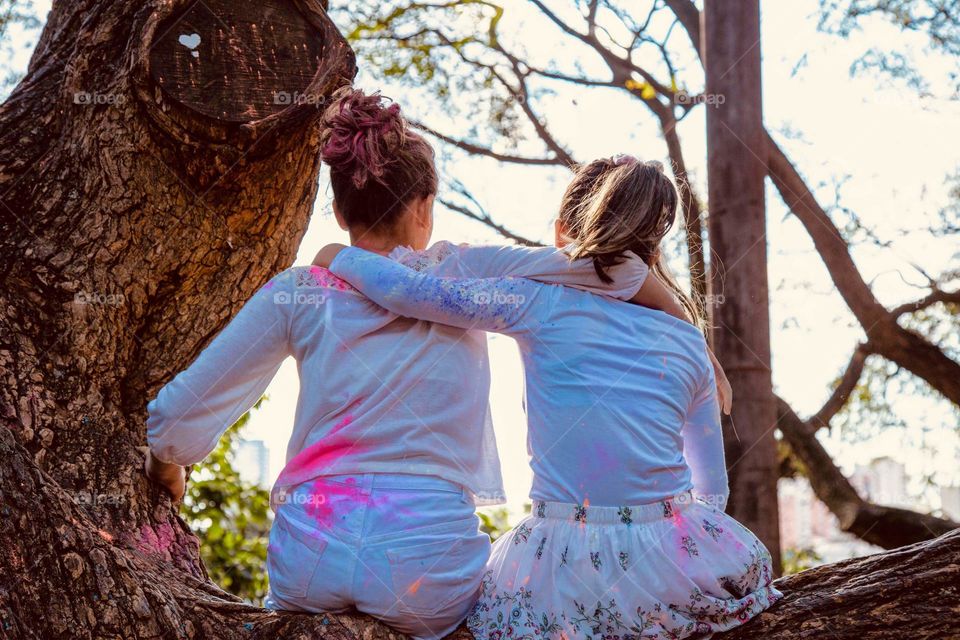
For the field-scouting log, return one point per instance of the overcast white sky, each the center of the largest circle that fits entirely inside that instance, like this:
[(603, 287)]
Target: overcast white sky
[(896, 147)]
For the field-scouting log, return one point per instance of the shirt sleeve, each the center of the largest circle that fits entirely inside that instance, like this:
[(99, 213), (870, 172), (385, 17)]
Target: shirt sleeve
[(543, 264), (191, 412), (488, 304), (703, 445)]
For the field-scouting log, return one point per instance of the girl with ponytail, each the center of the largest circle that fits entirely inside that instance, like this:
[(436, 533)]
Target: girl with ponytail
[(392, 446), (627, 536)]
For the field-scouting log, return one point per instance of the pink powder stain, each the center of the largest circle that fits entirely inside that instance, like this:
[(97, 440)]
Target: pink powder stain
[(314, 460), (347, 419), (156, 539), (327, 499), (343, 423), (325, 278)]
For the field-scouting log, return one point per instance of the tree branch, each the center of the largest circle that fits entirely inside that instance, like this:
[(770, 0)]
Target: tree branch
[(935, 296), (848, 382), (489, 153), (483, 217)]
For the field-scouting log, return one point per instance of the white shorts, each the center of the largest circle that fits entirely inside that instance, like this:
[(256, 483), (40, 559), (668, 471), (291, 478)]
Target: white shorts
[(668, 570), (404, 548)]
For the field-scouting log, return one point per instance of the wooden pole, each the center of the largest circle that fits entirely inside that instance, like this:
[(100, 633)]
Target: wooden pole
[(739, 303)]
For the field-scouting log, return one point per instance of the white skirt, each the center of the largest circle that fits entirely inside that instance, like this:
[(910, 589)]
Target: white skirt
[(673, 569)]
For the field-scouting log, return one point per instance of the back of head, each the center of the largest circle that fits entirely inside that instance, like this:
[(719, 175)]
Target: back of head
[(616, 205), (377, 163), (620, 204)]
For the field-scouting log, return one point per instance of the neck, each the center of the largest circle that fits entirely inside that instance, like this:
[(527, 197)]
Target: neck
[(376, 243)]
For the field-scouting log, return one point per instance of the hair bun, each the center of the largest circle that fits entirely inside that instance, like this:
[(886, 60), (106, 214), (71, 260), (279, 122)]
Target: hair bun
[(361, 135)]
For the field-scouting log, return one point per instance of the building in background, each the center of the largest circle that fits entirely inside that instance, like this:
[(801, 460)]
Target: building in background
[(253, 462), (883, 481), (806, 523), (950, 502)]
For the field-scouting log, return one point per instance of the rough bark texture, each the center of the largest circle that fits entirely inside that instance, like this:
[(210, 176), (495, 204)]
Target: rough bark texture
[(738, 262), (912, 592), (133, 225)]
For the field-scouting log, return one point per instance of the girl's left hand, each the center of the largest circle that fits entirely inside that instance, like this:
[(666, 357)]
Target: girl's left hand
[(724, 390), (172, 477), (326, 255)]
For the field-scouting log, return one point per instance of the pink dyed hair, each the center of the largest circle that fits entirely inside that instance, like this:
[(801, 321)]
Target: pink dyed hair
[(377, 163)]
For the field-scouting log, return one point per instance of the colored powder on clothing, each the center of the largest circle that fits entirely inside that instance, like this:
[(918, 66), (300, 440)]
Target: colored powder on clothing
[(314, 460), (324, 278), (327, 500)]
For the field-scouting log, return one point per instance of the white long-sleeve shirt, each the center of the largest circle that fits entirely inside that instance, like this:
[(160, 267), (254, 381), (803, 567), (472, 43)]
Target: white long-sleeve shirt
[(378, 393), (621, 400)]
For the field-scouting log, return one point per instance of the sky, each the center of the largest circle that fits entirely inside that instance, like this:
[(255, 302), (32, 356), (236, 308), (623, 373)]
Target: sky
[(890, 149)]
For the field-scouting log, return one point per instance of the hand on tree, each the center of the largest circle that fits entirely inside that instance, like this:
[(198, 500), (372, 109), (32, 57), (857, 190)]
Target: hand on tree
[(326, 255), (172, 477)]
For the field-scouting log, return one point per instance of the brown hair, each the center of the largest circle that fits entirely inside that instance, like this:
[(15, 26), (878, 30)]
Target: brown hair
[(377, 164), (620, 204)]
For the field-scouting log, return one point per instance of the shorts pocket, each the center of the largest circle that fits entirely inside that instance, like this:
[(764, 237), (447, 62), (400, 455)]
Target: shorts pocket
[(292, 557), (429, 577)]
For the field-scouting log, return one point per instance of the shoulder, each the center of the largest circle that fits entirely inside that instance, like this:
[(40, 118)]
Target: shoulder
[(426, 259), (312, 276)]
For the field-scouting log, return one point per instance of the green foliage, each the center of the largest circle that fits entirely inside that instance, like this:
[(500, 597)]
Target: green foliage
[(232, 519), (494, 522), (796, 560)]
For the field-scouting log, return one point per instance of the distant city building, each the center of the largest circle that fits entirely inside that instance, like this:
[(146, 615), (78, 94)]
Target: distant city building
[(950, 502), (883, 481), (253, 462), (806, 523)]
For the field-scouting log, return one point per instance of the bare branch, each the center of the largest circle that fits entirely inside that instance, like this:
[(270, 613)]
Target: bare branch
[(689, 16), (848, 382), (935, 296), (489, 153), (481, 215)]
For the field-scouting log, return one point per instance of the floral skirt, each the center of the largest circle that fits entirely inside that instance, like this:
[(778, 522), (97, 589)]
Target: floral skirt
[(673, 569)]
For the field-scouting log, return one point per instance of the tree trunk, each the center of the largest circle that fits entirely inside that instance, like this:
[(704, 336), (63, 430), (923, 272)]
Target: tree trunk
[(738, 263), (158, 164)]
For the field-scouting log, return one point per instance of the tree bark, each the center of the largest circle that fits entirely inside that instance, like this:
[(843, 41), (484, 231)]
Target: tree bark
[(158, 164), (911, 592), (738, 263)]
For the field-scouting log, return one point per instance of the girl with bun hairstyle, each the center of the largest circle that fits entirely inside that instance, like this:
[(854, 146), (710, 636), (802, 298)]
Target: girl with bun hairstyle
[(627, 537), (392, 446)]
